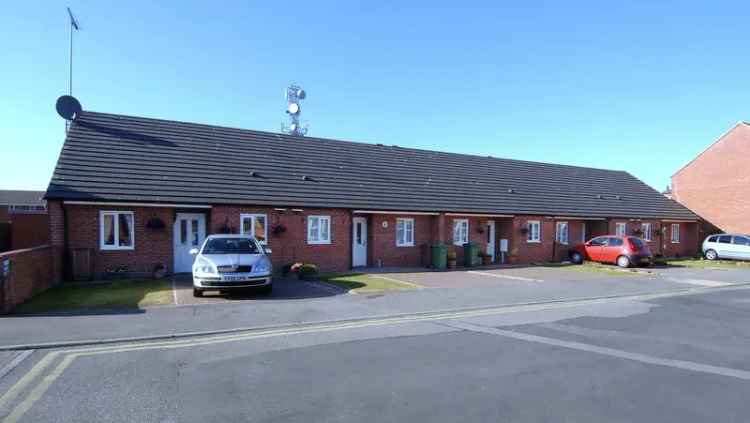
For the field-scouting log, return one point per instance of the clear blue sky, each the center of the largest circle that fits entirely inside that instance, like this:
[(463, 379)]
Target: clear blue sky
[(641, 86)]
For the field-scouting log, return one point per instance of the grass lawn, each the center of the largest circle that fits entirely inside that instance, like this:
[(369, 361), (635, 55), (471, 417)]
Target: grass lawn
[(117, 294), (366, 282), (703, 263)]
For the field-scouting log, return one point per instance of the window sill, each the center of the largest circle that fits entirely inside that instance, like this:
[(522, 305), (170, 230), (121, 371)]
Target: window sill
[(318, 242), (404, 245), (533, 242), (103, 248)]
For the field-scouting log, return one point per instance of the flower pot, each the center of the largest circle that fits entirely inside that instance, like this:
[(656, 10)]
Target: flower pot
[(486, 260), (452, 264)]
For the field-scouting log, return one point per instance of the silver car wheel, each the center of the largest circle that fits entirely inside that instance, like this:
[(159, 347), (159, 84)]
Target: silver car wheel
[(623, 261), (711, 255)]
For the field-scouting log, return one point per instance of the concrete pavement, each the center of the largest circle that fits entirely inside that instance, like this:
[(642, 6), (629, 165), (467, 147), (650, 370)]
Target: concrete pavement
[(668, 359)]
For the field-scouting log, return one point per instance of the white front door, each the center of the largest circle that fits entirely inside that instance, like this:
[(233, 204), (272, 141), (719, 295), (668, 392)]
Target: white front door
[(189, 232), (359, 241), (491, 239)]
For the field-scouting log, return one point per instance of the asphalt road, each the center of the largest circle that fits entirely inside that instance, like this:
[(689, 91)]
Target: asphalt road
[(671, 359)]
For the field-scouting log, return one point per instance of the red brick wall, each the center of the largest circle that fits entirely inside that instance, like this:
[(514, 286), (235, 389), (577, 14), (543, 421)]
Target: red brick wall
[(475, 236), (525, 251), (292, 246), (31, 272), (29, 230), (715, 185), (151, 246), (4, 215), (384, 252), (661, 241)]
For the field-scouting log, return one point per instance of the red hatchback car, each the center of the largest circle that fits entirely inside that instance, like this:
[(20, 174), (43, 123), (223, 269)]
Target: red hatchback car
[(625, 251)]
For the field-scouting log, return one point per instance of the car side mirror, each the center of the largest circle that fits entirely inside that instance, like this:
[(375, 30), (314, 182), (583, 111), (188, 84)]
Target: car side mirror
[(587, 243), (193, 251), (267, 249)]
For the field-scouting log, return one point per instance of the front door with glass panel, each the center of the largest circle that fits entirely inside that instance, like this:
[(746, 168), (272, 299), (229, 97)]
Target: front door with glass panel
[(491, 239), (359, 242), (189, 233)]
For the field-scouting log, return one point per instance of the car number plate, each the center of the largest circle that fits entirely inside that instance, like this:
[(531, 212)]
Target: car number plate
[(232, 278)]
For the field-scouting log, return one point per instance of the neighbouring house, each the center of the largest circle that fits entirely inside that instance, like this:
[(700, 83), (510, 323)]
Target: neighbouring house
[(23, 219), (130, 194), (716, 183)]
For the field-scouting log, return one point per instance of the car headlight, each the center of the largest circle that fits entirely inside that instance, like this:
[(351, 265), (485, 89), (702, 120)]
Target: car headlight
[(263, 266), (203, 267)]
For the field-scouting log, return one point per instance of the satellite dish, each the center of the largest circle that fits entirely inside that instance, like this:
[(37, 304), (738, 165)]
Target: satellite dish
[(68, 107), (293, 127), (293, 108), (301, 94)]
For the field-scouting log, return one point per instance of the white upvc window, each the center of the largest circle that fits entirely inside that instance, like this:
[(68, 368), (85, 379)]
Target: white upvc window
[(404, 232), (460, 231), (675, 233), (621, 228), (534, 233), (646, 229), (116, 231), (318, 229), (255, 225), (561, 233)]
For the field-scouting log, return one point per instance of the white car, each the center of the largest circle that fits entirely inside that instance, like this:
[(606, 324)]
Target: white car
[(231, 262), (727, 246)]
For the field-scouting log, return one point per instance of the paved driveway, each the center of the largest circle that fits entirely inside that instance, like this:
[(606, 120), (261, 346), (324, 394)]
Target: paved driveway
[(283, 288), (569, 275), (479, 278)]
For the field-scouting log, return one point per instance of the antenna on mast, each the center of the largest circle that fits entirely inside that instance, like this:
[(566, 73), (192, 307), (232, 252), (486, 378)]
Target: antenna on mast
[(294, 93), (73, 26)]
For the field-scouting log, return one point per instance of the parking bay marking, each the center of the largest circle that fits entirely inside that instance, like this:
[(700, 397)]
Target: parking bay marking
[(496, 275), (611, 352), (70, 355)]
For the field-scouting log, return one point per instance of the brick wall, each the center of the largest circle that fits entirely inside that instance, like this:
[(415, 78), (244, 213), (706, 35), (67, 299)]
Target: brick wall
[(4, 215), (29, 230), (382, 242), (661, 236), (150, 246), (475, 236), (291, 245), (32, 271), (715, 184)]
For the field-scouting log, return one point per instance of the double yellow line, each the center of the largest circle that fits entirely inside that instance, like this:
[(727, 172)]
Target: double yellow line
[(70, 355)]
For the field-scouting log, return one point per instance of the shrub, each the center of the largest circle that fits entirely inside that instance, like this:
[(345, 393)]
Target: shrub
[(307, 271)]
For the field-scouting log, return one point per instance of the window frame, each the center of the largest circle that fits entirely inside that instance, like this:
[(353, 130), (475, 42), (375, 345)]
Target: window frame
[(646, 229), (253, 217), (672, 233), (464, 239), (624, 226), (558, 239), (116, 228), (530, 233), (319, 241), (403, 242)]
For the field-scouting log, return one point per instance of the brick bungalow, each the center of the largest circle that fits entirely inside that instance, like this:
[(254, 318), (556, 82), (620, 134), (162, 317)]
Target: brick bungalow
[(130, 193), (716, 183)]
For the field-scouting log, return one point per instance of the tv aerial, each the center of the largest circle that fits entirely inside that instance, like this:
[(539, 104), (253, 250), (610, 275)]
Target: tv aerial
[(294, 94)]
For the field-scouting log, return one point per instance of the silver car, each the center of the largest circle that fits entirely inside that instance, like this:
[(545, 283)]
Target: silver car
[(230, 262), (727, 246)]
